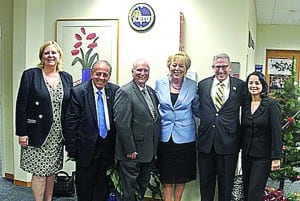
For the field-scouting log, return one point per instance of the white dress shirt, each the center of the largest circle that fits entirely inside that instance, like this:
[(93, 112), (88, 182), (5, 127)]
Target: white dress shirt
[(105, 105), (215, 86)]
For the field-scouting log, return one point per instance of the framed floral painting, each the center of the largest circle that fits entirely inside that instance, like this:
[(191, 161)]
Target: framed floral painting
[(86, 41)]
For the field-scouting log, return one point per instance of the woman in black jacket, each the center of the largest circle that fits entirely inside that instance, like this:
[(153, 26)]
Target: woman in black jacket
[(43, 95), (262, 137)]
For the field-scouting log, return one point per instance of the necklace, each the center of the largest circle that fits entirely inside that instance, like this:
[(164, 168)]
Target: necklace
[(175, 87)]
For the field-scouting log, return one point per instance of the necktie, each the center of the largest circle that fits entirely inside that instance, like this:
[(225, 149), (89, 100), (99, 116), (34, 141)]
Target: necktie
[(149, 102), (101, 116), (219, 96)]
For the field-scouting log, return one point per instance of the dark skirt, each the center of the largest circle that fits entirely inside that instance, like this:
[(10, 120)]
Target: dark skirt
[(176, 162)]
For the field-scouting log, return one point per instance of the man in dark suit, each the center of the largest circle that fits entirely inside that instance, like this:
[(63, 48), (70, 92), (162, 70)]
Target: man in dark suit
[(94, 154), (219, 131), (138, 128)]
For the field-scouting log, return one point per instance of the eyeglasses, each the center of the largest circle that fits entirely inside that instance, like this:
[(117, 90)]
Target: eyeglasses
[(219, 67)]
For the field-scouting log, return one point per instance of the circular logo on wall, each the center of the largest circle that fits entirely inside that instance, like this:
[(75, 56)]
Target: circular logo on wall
[(141, 17)]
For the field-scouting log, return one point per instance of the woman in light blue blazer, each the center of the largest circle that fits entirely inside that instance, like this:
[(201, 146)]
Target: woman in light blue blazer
[(179, 103)]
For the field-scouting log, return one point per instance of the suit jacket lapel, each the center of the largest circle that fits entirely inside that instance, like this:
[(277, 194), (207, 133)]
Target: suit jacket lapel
[(138, 93), (154, 101), (153, 97), (183, 93), (109, 102), (232, 88), (91, 101), (166, 87), (208, 92), (43, 84)]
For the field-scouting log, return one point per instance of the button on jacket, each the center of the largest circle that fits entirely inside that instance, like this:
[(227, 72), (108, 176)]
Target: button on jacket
[(262, 131), (33, 107), (178, 119)]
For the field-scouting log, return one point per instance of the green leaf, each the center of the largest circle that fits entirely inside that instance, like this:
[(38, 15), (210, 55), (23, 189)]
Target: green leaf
[(290, 105), (92, 59), (77, 59)]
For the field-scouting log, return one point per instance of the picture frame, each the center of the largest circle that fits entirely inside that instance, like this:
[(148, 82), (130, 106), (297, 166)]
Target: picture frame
[(235, 72), (279, 70), (84, 41), (279, 65)]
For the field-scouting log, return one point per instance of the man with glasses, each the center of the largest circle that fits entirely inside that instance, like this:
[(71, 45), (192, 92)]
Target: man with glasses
[(138, 128), (219, 131), (90, 133)]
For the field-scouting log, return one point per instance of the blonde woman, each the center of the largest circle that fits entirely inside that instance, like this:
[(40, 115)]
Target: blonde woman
[(179, 103), (42, 99)]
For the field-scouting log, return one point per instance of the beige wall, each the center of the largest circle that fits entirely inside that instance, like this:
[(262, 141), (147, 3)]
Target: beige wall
[(207, 32), (6, 83), (275, 37), (252, 28)]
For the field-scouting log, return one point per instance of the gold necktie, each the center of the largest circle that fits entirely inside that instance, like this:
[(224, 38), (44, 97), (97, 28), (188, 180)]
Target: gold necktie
[(219, 96)]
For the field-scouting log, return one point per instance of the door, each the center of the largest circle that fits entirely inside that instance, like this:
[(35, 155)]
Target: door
[(283, 60)]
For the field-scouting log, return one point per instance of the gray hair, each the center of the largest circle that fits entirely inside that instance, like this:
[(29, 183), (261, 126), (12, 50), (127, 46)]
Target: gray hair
[(222, 56), (103, 61), (136, 62)]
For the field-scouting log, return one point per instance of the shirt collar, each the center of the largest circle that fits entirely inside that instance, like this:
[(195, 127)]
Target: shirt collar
[(141, 88), (96, 90), (216, 81)]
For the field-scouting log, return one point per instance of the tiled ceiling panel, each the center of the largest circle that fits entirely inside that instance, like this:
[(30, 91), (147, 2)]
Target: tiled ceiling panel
[(278, 12)]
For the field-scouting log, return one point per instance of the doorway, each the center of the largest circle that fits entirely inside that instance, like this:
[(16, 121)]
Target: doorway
[(278, 66)]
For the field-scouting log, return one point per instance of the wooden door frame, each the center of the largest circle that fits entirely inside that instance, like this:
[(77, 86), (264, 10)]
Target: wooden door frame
[(282, 54)]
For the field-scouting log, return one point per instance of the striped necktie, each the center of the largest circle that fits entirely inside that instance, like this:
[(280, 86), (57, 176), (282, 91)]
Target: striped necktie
[(149, 103), (219, 96)]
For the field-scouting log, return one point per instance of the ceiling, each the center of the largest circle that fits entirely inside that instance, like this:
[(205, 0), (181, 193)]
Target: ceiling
[(278, 12)]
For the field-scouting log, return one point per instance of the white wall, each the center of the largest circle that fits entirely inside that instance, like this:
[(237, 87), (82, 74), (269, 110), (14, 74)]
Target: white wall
[(207, 31), (6, 85), (155, 45), (252, 28), (281, 37), (19, 52)]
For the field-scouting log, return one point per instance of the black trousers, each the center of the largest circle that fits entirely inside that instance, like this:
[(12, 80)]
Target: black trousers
[(212, 167), (256, 171), (92, 183), (135, 177)]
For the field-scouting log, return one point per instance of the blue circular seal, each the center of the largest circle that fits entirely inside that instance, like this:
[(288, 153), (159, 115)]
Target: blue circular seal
[(141, 17)]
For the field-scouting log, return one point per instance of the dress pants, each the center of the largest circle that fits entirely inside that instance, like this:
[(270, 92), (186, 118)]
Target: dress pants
[(92, 183), (216, 167), (135, 177), (256, 171)]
